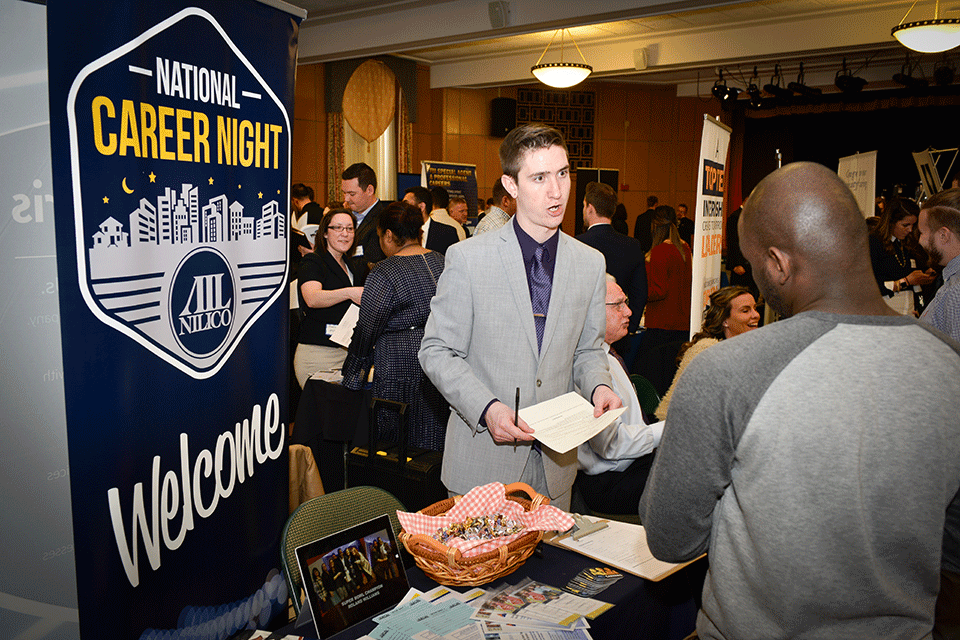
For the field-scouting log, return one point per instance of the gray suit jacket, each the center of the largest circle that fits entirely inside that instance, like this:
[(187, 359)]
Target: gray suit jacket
[(480, 343)]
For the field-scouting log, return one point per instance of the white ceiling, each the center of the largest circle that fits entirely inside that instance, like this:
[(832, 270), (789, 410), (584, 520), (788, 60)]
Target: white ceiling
[(685, 41)]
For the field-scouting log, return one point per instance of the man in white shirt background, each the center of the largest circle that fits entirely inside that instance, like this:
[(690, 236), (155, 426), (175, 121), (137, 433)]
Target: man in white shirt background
[(615, 463)]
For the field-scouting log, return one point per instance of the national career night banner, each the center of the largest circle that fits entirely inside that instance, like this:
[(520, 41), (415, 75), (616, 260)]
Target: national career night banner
[(708, 230), (170, 128)]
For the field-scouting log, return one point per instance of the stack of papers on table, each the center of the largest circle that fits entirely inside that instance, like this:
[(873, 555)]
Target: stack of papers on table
[(508, 612)]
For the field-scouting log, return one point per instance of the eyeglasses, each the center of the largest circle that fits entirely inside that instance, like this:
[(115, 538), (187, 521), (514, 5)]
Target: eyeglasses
[(623, 304), (341, 227)]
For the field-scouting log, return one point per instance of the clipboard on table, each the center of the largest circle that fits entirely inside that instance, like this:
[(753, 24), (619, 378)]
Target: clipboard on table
[(622, 546)]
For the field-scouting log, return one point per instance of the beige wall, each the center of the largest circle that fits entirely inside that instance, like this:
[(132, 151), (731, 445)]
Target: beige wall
[(646, 132)]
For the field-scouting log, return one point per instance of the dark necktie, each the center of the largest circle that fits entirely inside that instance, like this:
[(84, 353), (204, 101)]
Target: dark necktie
[(539, 292), (623, 364)]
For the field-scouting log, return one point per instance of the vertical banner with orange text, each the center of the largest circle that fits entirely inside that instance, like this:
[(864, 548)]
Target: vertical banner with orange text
[(708, 232), (171, 132)]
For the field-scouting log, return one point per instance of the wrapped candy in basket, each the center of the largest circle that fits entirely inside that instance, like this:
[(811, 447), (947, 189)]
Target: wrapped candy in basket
[(481, 536)]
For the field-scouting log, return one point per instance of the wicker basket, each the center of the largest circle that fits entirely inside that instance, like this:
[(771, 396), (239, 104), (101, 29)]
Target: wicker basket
[(448, 566)]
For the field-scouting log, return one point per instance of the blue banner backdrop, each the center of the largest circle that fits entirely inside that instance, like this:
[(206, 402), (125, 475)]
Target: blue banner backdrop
[(457, 179), (170, 127)]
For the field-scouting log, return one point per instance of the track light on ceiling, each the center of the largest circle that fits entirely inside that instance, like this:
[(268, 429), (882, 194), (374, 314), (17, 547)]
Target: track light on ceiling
[(753, 90), (775, 86), (801, 88), (905, 78), (943, 73), (928, 36), (561, 74), (725, 94), (847, 82)]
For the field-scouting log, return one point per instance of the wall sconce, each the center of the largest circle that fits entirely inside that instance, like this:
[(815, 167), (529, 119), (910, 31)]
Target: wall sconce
[(561, 74)]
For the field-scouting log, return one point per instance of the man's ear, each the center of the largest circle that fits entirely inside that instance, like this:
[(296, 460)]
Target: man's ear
[(780, 265), (510, 185)]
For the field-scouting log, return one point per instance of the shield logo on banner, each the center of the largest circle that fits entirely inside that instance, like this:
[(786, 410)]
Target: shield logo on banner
[(180, 191)]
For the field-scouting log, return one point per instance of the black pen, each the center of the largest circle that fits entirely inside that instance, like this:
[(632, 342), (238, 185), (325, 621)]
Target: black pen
[(516, 415)]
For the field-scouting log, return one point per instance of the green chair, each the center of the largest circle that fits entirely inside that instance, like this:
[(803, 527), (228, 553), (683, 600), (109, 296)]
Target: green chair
[(646, 394), (328, 514)]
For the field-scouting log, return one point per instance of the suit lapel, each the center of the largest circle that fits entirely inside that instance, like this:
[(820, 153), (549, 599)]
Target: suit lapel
[(516, 275)]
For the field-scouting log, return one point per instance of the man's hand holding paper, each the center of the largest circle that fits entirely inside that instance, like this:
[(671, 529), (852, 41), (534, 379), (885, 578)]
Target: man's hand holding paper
[(568, 421)]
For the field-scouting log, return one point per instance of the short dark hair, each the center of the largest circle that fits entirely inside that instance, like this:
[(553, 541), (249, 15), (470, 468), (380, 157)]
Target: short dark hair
[(602, 197), (652, 201), (422, 195), (498, 192), (403, 220), (365, 175), (525, 138), (441, 199), (300, 191), (320, 243)]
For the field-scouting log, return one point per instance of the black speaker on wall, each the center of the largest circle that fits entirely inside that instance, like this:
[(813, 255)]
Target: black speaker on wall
[(503, 116)]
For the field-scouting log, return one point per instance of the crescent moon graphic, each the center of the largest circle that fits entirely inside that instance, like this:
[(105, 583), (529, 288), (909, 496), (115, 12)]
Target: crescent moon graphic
[(126, 189)]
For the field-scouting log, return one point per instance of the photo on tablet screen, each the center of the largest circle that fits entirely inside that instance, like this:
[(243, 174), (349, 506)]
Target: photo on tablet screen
[(352, 575)]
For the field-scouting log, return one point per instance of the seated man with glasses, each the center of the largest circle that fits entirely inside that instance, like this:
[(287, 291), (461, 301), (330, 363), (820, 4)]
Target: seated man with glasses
[(615, 463)]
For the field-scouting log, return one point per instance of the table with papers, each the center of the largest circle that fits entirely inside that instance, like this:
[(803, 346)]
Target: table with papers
[(641, 608)]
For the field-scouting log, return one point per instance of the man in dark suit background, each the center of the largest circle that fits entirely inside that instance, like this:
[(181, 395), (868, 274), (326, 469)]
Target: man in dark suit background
[(359, 187), (624, 255), (642, 227), (437, 236)]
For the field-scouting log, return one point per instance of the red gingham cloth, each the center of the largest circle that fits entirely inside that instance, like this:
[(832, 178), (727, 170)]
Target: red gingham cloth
[(490, 499)]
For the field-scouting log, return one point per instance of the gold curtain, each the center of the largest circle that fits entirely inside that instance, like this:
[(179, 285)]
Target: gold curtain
[(335, 156), (404, 136)]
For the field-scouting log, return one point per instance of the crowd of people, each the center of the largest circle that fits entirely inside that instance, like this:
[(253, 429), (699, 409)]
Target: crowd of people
[(819, 473)]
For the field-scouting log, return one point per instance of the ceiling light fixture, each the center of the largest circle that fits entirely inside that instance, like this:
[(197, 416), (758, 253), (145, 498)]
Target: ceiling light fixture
[(928, 36), (847, 82), (726, 95), (561, 75), (801, 88), (943, 73), (775, 86), (753, 90), (905, 77)]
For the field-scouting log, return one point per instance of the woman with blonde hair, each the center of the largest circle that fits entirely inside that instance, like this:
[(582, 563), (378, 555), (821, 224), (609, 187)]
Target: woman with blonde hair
[(732, 311)]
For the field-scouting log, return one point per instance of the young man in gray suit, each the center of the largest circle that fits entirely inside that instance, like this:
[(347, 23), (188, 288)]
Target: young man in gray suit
[(518, 308)]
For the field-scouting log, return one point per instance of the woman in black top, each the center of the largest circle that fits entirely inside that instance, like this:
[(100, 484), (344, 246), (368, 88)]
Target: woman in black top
[(326, 280), (893, 265), (396, 304)]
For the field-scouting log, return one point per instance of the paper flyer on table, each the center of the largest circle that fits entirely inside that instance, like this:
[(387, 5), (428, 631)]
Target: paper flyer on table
[(343, 334), (567, 421)]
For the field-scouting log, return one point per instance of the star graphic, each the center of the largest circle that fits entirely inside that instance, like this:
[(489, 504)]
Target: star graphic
[(211, 180), (106, 200), (278, 191), (153, 177), (260, 195), (239, 186)]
